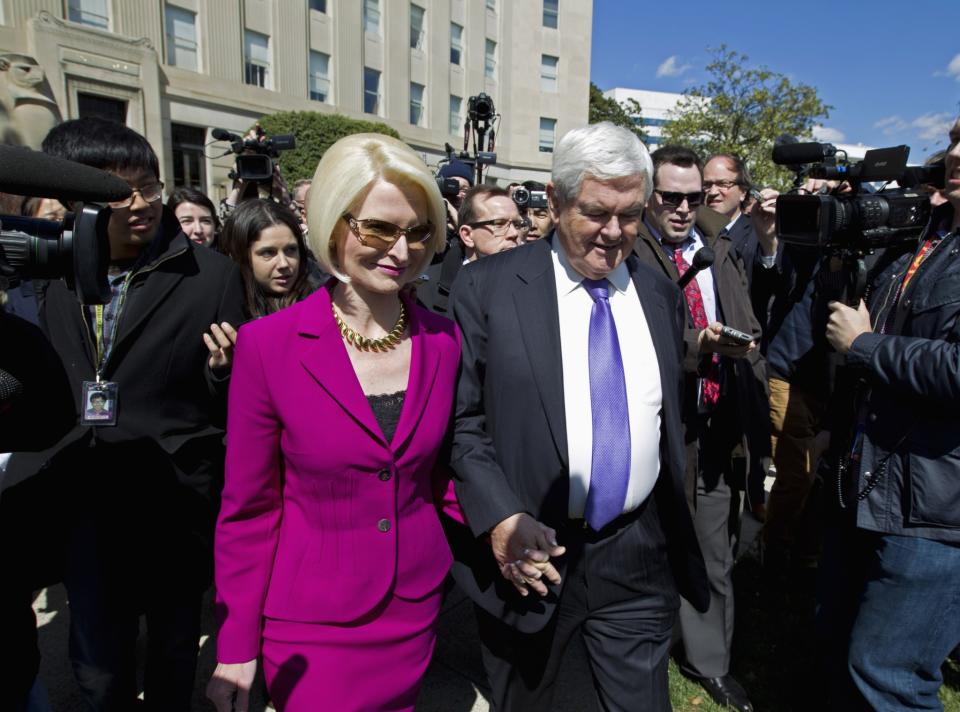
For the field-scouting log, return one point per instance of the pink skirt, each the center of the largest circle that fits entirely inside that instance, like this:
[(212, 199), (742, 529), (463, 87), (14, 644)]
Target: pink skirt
[(375, 664)]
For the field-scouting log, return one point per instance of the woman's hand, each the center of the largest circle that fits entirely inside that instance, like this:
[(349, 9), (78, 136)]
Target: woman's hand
[(220, 342), (229, 687)]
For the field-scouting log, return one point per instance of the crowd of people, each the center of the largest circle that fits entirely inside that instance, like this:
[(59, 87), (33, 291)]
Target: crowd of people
[(335, 405)]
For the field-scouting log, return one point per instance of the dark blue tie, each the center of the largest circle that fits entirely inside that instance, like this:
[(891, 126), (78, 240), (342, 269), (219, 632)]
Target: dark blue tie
[(610, 461)]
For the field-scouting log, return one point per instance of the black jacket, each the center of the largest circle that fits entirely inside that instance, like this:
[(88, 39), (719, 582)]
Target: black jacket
[(510, 442), (912, 415), (168, 396)]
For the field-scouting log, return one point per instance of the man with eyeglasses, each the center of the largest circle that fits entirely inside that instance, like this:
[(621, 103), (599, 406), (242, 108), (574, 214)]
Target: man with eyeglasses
[(489, 223), (132, 501), (726, 399)]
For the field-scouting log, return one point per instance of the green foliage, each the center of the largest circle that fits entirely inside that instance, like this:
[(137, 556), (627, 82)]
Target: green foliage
[(742, 110), (315, 133), (603, 108)]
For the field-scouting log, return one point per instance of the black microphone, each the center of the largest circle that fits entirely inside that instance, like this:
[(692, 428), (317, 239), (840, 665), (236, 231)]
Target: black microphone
[(702, 259), (787, 154), (224, 135), (27, 172)]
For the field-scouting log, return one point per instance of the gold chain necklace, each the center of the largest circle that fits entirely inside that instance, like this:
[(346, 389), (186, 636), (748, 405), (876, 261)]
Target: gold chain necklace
[(384, 343)]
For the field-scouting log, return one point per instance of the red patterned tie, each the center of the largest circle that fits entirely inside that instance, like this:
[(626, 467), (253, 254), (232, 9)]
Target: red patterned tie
[(711, 381)]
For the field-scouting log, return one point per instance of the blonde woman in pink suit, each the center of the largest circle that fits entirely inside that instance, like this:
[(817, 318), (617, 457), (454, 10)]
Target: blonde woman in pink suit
[(330, 556)]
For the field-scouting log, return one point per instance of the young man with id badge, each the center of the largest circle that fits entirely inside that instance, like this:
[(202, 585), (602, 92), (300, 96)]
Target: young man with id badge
[(135, 485)]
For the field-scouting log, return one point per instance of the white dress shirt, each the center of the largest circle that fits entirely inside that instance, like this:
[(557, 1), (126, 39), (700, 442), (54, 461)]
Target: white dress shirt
[(641, 375)]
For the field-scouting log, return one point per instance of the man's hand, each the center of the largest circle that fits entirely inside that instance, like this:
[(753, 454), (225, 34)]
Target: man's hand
[(764, 216), (220, 341), (710, 341), (846, 324), (522, 547), (229, 687)]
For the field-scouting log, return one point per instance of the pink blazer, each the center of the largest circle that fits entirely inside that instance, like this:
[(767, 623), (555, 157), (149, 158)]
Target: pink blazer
[(321, 517)]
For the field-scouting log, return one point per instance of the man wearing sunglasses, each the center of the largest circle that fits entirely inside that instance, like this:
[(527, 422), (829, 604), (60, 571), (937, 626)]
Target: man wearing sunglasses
[(489, 223), (725, 402)]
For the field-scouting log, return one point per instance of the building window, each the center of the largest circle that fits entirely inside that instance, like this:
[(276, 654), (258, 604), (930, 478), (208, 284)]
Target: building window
[(416, 27), (416, 104), (551, 13), (548, 72), (319, 76), (101, 107), (181, 38), (455, 123), (188, 161), (492, 5), (371, 16), (456, 43), (89, 12), (256, 57), (319, 6), (548, 134), (371, 91), (490, 60)]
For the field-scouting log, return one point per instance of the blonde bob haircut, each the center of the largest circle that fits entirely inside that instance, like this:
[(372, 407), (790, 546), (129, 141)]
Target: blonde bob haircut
[(344, 176)]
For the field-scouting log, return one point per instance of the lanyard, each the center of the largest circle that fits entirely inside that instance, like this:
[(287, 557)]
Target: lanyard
[(103, 354)]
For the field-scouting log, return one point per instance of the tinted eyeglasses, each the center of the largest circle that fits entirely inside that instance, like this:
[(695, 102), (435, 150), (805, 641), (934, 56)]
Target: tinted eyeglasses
[(381, 235), (675, 200), (151, 193), (500, 226)]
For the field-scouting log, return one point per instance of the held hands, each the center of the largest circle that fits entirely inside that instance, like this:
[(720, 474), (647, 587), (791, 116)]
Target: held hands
[(846, 324), (711, 341), (221, 341), (523, 547), (229, 687)]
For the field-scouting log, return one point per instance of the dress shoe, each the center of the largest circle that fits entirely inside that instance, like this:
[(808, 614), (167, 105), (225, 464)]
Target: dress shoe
[(724, 691)]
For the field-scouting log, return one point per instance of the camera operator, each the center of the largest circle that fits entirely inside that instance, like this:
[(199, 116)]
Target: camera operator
[(460, 172), (889, 605), (541, 222)]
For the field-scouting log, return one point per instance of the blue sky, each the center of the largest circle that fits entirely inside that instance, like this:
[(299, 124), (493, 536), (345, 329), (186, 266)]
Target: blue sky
[(889, 68)]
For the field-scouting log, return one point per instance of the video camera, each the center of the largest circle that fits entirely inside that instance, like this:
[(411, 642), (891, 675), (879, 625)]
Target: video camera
[(529, 199), (255, 154), (481, 116), (77, 249), (860, 220)]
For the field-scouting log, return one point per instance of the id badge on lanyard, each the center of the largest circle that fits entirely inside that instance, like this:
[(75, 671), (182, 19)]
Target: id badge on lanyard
[(100, 399)]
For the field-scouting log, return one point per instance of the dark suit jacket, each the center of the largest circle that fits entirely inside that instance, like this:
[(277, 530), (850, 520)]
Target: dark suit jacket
[(743, 379), (510, 442), (435, 293)]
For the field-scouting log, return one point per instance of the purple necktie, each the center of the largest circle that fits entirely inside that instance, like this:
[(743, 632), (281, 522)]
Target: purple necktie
[(610, 461)]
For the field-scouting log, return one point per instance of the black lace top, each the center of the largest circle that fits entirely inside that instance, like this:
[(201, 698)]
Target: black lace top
[(386, 408)]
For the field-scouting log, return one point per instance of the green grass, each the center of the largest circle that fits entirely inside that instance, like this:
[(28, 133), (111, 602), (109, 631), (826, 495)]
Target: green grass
[(774, 657)]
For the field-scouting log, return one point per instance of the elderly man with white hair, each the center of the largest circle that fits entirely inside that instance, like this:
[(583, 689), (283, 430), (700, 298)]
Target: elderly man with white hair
[(568, 449)]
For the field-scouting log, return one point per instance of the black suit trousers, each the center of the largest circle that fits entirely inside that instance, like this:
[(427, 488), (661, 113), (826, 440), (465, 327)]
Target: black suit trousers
[(627, 634)]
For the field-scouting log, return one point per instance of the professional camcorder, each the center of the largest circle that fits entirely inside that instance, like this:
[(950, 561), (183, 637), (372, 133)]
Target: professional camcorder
[(77, 249), (255, 154), (860, 220)]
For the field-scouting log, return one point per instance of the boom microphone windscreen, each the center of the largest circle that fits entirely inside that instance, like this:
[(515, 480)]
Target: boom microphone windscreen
[(787, 154), (27, 172)]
